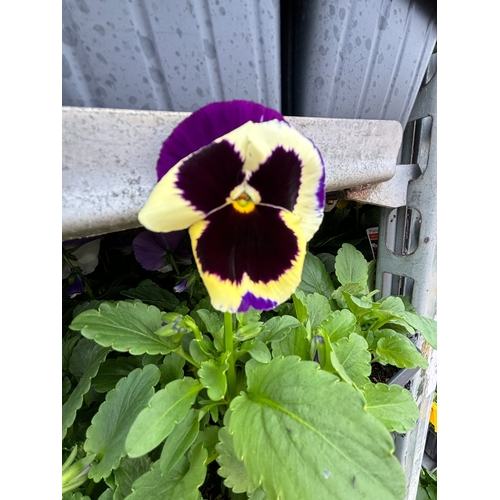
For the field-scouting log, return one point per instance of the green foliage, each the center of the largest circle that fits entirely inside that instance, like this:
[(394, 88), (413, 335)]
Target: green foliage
[(165, 397), (427, 487), (296, 413), (111, 425)]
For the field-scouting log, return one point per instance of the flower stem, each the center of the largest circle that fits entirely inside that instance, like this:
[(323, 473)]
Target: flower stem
[(229, 347), (184, 355)]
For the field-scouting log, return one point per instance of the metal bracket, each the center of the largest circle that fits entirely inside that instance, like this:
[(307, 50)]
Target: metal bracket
[(391, 193)]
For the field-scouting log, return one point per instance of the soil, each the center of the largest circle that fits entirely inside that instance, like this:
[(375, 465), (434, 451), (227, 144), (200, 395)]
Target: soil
[(382, 373), (212, 488)]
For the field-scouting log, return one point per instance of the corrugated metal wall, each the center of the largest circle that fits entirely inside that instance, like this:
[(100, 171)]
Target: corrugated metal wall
[(358, 58), (171, 55), (334, 59)]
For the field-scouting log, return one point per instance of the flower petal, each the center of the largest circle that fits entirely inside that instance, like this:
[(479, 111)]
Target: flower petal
[(207, 124), (249, 259), (150, 248), (192, 188), (86, 253), (286, 169), (77, 287)]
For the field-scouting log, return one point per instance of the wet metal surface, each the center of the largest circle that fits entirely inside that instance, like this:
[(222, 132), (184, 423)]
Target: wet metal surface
[(110, 155)]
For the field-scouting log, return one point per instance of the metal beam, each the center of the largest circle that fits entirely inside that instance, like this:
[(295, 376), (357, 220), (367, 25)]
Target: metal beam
[(109, 161)]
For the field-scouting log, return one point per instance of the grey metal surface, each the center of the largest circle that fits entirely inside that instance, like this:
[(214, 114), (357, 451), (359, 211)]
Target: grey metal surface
[(110, 155), (416, 262), (391, 193), (169, 54), (362, 59)]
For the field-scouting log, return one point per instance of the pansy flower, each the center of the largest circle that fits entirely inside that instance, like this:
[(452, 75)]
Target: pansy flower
[(80, 257), (155, 251), (251, 190)]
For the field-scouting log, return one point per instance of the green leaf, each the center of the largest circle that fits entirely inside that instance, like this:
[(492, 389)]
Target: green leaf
[(259, 351), (215, 325), (318, 309), (313, 307), (111, 424), (277, 328), (198, 351), (157, 420), (212, 320), (258, 494), (377, 318), (302, 434), (248, 331), (106, 495), (396, 349), (179, 441), (231, 468), (300, 306), (151, 293), (339, 324), (112, 370), (171, 369), (247, 318), (358, 306), (315, 277), (426, 326), (392, 304), (213, 377), (351, 266), (130, 469), (78, 495), (295, 343), (208, 437), (392, 405), (92, 304), (182, 482), (75, 400), (81, 355), (125, 326), (338, 368), (353, 354), (67, 349), (328, 261)]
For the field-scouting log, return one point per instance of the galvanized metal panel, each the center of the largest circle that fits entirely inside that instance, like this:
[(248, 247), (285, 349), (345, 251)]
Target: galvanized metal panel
[(360, 58), (170, 55), (110, 155), (420, 266)]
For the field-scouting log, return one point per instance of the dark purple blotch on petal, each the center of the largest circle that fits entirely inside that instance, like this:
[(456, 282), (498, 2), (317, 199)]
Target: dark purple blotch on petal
[(207, 124), (259, 303), (207, 177), (150, 248), (258, 243), (278, 179)]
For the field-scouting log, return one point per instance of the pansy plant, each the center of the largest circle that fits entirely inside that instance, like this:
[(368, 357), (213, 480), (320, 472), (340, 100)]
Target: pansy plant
[(279, 402), (251, 198)]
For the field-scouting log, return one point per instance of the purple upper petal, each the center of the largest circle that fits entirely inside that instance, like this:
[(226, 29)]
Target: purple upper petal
[(207, 124), (258, 303), (150, 248)]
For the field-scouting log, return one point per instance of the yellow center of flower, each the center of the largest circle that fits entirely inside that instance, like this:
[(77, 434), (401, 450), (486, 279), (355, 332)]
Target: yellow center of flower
[(243, 203)]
